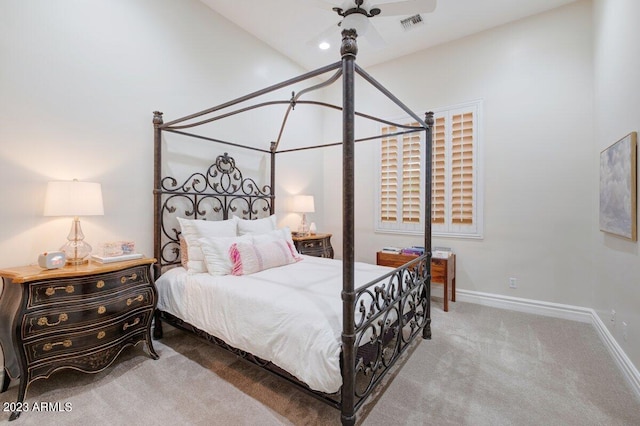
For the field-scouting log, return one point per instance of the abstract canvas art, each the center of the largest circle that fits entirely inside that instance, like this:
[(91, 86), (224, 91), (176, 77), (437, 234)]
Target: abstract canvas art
[(618, 188)]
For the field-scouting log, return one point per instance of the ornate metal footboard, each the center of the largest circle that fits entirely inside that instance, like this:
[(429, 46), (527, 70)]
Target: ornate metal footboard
[(390, 312)]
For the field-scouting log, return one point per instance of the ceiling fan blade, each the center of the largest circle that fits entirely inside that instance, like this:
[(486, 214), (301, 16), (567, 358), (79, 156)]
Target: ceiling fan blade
[(326, 4), (406, 7), (374, 37), (332, 33)]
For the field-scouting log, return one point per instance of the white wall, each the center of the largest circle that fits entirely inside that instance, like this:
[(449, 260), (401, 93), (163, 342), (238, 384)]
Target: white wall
[(78, 84), (535, 78), (617, 113)]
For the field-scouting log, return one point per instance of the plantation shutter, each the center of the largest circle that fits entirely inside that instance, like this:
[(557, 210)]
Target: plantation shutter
[(389, 176), (411, 180), (438, 184), (456, 174), (462, 168)]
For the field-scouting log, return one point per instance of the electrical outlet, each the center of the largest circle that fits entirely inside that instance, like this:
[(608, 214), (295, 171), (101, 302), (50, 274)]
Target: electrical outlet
[(513, 283), (613, 315), (624, 331)]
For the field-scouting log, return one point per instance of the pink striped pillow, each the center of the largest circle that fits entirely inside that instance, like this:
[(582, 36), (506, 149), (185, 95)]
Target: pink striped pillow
[(249, 258)]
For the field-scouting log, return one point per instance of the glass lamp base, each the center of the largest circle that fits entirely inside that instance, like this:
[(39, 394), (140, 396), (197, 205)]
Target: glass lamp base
[(75, 252), (304, 226), (75, 249)]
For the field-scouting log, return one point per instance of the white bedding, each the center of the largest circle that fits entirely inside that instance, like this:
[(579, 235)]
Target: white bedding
[(289, 315)]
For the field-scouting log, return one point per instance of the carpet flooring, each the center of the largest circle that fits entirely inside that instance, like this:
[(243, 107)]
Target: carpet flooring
[(484, 366)]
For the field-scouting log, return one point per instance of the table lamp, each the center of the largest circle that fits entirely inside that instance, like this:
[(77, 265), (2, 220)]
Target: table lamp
[(303, 204), (74, 198)]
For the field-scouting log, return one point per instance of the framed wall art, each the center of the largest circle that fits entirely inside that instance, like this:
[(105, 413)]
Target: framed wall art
[(618, 181)]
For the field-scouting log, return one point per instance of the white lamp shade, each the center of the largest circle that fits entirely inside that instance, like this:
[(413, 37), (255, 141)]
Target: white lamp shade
[(303, 204), (73, 198)]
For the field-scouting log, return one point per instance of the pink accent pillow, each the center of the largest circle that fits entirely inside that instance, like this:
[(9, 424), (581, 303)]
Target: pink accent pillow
[(249, 258)]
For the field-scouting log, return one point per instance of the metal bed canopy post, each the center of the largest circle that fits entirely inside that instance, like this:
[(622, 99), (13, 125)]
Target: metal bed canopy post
[(157, 200), (428, 154), (273, 147), (348, 50)]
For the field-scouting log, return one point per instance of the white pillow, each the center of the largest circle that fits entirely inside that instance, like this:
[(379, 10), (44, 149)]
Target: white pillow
[(250, 258), (256, 226), (194, 230), (216, 253), (278, 234)]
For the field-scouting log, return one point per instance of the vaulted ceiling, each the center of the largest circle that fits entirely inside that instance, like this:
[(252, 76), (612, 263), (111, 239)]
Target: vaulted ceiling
[(294, 27)]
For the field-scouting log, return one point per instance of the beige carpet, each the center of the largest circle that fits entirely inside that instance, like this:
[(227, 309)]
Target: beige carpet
[(484, 366)]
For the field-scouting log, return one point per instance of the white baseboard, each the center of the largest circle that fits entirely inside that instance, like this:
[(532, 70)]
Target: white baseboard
[(556, 310)]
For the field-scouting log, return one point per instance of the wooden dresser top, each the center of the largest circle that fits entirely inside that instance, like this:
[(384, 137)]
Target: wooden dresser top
[(24, 274)]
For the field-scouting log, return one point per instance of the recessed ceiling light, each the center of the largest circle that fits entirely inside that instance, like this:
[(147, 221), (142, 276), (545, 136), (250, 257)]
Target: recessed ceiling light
[(324, 45)]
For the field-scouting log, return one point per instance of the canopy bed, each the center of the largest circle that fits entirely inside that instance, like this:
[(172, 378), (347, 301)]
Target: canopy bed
[(347, 323)]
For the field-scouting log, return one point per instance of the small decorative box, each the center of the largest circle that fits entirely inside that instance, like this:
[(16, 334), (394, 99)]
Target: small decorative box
[(116, 248)]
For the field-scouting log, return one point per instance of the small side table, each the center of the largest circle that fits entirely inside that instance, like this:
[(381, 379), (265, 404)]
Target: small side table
[(443, 270), (318, 245)]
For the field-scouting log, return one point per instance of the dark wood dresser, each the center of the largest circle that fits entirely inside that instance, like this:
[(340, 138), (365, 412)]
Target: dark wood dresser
[(78, 317), (318, 245)]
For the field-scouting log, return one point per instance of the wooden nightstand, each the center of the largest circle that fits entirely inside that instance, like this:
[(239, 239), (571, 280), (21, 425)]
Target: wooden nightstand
[(443, 270), (78, 317), (318, 245)]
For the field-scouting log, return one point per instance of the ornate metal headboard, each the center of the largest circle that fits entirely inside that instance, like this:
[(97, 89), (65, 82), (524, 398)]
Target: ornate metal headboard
[(216, 194)]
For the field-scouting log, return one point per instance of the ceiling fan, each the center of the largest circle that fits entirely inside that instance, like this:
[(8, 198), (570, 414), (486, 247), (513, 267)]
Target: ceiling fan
[(356, 14)]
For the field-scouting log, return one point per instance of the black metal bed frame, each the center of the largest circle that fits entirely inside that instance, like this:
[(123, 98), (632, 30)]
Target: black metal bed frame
[(380, 318)]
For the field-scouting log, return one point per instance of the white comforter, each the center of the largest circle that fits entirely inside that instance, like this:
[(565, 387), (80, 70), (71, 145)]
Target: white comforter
[(290, 315)]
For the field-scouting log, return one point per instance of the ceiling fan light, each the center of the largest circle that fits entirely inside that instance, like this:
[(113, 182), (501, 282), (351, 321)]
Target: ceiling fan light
[(356, 21)]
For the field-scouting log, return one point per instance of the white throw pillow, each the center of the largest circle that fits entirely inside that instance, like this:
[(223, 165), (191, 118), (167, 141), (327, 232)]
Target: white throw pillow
[(194, 230), (256, 226), (249, 258), (216, 253)]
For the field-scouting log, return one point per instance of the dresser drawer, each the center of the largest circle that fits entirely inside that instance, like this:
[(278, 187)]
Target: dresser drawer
[(312, 244), (58, 318), (319, 252), (53, 291), (59, 345), (318, 245)]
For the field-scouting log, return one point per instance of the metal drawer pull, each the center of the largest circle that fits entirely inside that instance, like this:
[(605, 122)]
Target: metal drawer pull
[(101, 334), (102, 309), (140, 298), (134, 323), (48, 346), (100, 284), (45, 321), (132, 277), (52, 290)]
